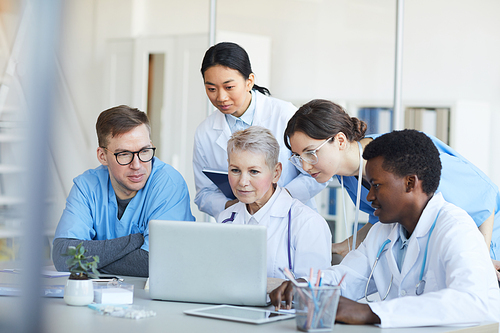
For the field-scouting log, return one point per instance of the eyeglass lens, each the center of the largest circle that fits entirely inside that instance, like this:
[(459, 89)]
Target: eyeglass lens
[(127, 157)]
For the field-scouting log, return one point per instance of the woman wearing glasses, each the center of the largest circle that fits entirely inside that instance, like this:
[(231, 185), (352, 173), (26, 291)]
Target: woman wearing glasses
[(325, 141), (230, 86)]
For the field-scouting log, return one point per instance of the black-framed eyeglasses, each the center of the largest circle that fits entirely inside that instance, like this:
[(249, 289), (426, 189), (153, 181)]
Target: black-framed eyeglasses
[(126, 157)]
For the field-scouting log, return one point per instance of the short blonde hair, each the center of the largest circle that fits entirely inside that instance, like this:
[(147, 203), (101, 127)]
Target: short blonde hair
[(258, 140)]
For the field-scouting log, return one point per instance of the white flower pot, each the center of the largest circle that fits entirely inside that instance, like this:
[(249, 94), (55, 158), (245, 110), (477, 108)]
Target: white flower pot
[(78, 292)]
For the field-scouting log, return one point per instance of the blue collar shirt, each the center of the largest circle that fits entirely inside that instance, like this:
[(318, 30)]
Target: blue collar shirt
[(246, 119)]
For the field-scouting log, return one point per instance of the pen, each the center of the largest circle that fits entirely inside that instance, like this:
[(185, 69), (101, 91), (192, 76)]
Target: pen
[(311, 310), (342, 279), (318, 278)]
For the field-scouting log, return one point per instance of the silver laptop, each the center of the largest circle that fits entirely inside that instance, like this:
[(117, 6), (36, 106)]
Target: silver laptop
[(208, 262)]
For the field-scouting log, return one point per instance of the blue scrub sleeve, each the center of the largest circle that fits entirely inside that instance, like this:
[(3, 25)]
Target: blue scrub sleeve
[(467, 187), (76, 220)]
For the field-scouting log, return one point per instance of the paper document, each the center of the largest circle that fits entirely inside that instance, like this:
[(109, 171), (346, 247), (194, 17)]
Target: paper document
[(46, 291), (47, 271)]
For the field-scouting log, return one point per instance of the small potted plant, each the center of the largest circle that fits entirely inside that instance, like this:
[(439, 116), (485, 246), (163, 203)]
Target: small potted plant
[(79, 289)]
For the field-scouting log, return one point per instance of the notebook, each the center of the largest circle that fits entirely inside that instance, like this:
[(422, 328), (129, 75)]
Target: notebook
[(208, 262), (220, 179)]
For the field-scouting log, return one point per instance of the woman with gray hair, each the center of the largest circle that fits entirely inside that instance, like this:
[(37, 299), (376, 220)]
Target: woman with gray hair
[(297, 236)]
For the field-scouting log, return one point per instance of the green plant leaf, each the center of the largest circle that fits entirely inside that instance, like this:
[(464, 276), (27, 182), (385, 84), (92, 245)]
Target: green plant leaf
[(70, 251), (79, 263), (80, 249)]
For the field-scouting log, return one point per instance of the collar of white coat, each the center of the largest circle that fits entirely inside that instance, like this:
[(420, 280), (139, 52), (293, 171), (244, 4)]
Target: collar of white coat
[(278, 205), (429, 214), (422, 229)]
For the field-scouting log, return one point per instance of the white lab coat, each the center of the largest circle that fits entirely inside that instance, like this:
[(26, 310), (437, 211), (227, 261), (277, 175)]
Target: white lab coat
[(210, 152), (461, 286), (311, 240)]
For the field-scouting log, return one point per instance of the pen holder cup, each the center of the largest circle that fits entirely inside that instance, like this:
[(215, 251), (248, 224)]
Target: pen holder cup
[(316, 308)]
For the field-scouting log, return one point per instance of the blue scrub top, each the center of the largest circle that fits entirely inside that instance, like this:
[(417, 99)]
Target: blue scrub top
[(462, 184), (91, 207)]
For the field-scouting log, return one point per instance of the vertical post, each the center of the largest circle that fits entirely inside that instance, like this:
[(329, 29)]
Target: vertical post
[(38, 84), (211, 41), (213, 12), (398, 116)]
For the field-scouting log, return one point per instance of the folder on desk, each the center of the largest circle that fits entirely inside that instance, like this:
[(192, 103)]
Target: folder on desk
[(220, 179), (7, 289)]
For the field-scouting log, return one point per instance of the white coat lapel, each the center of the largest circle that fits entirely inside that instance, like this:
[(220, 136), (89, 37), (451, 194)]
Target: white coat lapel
[(282, 204), (418, 240), (412, 254), (391, 262), (262, 112), (222, 128)]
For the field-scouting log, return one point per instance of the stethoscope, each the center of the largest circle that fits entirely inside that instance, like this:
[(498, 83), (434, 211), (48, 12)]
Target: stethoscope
[(419, 288), (231, 219)]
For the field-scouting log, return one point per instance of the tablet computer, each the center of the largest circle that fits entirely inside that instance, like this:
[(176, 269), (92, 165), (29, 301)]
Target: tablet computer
[(241, 314)]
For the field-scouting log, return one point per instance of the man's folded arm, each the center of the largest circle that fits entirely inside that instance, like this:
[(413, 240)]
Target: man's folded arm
[(136, 263), (109, 251)]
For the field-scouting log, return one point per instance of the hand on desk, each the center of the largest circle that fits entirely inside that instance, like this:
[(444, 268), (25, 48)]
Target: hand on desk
[(348, 311), (354, 313), (283, 293)]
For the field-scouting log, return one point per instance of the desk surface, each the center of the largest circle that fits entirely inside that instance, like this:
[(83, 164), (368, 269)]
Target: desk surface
[(60, 317)]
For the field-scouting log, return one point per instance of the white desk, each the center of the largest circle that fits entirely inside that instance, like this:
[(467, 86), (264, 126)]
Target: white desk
[(61, 318)]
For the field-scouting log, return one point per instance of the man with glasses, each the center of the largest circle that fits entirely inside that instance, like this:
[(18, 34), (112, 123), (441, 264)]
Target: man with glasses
[(109, 208)]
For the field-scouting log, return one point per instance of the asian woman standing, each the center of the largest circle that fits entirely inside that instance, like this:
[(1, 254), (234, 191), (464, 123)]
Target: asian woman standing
[(230, 85)]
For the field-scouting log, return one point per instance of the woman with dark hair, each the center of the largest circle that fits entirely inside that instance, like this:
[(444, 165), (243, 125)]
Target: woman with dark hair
[(325, 141), (230, 86)]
